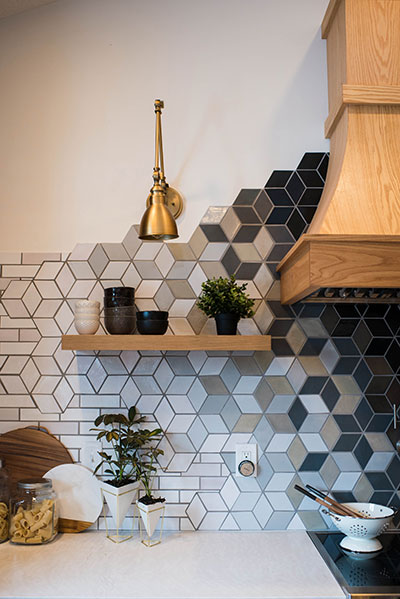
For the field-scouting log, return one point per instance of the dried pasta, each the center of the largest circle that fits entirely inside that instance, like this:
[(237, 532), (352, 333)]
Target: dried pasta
[(34, 526), (3, 521)]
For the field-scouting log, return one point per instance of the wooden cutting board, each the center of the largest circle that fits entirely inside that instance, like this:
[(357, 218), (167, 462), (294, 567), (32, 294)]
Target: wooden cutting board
[(30, 452)]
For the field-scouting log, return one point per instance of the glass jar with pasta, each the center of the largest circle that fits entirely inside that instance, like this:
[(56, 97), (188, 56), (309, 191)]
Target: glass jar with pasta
[(34, 518), (4, 504)]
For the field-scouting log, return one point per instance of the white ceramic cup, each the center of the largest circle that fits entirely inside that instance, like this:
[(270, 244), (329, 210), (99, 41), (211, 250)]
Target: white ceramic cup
[(87, 326), (84, 304)]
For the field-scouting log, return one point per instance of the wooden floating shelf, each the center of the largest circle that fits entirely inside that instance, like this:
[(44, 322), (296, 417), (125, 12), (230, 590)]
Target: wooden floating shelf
[(167, 342)]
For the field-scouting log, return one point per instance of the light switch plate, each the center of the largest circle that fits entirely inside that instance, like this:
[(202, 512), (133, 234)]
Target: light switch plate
[(89, 456), (246, 451)]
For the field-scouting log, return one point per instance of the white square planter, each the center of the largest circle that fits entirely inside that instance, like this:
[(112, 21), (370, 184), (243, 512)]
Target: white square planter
[(118, 500)]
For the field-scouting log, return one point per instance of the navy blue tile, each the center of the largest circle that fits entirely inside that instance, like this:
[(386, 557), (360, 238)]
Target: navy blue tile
[(345, 327), (313, 385), (347, 310), (248, 270), (346, 365), (278, 252), (263, 206), (281, 311), (281, 347), (379, 404), (311, 178), (393, 471), (323, 167), (279, 216), (307, 212), (381, 497), (295, 187), (393, 356), (330, 395), (346, 347), (346, 442), (329, 318), (313, 346), (378, 327), (376, 310), (280, 328), (311, 160), (296, 224), (378, 347), (310, 197), (297, 413), (379, 480), (363, 452), (362, 374), (246, 234), (347, 423), (247, 215), (278, 178), (312, 310), (313, 462), (379, 423), (344, 496), (393, 319), (393, 392), (280, 197), (214, 233), (362, 336), (280, 233), (230, 261), (363, 413), (378, 385)]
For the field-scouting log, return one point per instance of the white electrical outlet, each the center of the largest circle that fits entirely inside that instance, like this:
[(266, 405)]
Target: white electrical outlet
[(246, 459), (89, 455)]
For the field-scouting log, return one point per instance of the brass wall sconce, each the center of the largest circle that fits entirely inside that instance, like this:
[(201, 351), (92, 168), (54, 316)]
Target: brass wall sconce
[(164, 204)]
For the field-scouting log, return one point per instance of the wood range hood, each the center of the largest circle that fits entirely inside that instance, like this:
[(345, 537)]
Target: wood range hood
[(352, 247)]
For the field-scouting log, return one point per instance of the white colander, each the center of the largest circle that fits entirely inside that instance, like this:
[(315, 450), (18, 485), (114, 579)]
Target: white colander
[(361, 533)]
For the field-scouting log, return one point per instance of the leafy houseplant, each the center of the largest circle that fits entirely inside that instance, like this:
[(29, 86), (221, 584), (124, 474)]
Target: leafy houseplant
[(130, 453), (150, 507), (226, 301)]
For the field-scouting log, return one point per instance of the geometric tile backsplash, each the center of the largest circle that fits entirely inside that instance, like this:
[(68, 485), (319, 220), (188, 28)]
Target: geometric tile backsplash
[(319, 405)]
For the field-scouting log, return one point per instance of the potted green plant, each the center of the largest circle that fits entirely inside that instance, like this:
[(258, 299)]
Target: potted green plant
[(130, 448), (226, 301), (150, 507)]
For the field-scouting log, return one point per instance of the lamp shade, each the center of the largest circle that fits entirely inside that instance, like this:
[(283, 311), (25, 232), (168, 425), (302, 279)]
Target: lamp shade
[(157, 222)]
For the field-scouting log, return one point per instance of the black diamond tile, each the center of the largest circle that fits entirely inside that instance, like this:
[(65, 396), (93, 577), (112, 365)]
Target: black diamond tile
[(362, 375), (344, 496), (346, 442), (280, 233), (393, 393), (311, 178), (230, 261), (378, 327), (393, 434), (263, 206), (246, 197), (247, 215), (378, 347), (310, 197), (363, 452), (279, 216), (246, 234), (280, 328), (347, 423), (278, 179), (248, 270), (379, 480), (311, 160), (378, 365), (297, 413), (312, 310), (330, 395), (378, 385), (362, 336), (347, 310), (296, 224), (280, 311), (281, 347), (393, 356), (393, 318), (346, 347), (346, 365), (313, 462), (313, 385), (323, 167), (379, 404), (313, 346), (278, 252), (381, 497), (379, 423), (307, 212), (213, 233), (329, 318), (345, 327), (363, 413), (280, 197), (295, 187), (393, 471), (376, 310)]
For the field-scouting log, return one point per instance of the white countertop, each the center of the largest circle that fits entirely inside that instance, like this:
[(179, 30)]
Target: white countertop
[(187, 565)]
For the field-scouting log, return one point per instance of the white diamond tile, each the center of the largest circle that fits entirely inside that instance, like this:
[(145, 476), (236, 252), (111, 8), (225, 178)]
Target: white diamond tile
[(234, 439), (246, 501), (164, 414), (15, 289), (180, 404), (213, 502), (131, 277), (14, 365), (279, 366), (47, 308), (65, 280), (180, 462), (263, 511), (46, 404), (229, 523), (47, 327), (214, 251), (79, 383), (281, 442), (96, 374), (113, 384), (46, 384), (213, 366), (23, 271), (329, 356), (212, 521), (46, 365), (279, 501), (47, 346), (196, 511), (280, 481), (180, 423), (147, 289), (115, 270), (81, 270), (64, 317), (230, 492), (180, 326), (314, 404), (214, 443), (214, 423), (346, 481), (81, 289), (49, 270), (180, 385), (147, 404), (148, 251), (313, 442), (164, 260), (82, 251), (196, 278), (181, 308), (129, 359), (30, 375), (247, 326), (164, 375), (112, 365), (13, 384), (214, 215), (263, 280), (247, 404), (63, 394), (48, 289), (130, 393), (15, 308)]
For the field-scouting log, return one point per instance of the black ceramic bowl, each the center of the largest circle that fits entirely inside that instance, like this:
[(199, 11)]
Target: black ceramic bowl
[(114, 301), (120, 310), (119, 325), (152, 327), (119, 292), (152, 315)]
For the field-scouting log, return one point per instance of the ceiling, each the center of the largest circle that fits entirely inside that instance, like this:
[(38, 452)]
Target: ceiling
[(13, 7)]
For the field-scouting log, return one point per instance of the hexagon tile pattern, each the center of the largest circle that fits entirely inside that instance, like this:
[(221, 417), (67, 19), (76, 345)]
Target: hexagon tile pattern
[(319, 406)]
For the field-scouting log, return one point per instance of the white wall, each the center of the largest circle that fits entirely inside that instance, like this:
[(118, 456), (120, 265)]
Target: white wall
[(244, 85)]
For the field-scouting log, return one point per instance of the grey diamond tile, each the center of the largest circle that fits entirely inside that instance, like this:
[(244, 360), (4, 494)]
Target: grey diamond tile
[(180, 289), (115, 251), (247, 423), (132, 242), (279, 521), (329, 472), (198, 242), (296, 452), (313, 327), (296, 337), (147, 269), (230, 413), (280, 462), (313, 423), (262, 511), (213, 385), (213, 404), (263, 394), (263, 433), (197, 433), (281, 423), (312, 520)]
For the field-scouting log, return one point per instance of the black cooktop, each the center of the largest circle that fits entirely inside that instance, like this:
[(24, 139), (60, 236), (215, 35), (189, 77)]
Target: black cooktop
[(362, 575)]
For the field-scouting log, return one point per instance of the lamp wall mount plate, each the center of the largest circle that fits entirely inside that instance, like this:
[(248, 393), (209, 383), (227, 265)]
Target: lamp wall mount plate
[(173, 200)]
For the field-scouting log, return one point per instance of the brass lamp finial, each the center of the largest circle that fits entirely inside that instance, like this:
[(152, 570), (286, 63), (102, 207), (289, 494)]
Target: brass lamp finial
[(164, 204)]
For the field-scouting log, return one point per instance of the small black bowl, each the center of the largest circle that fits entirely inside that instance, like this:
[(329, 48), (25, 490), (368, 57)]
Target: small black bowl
[(152, 315), (114, 301), (119, 292), (152, 327), (120, 310)]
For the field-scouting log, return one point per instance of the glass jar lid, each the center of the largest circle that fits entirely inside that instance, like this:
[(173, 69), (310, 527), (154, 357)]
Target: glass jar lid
[(35, 484)]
